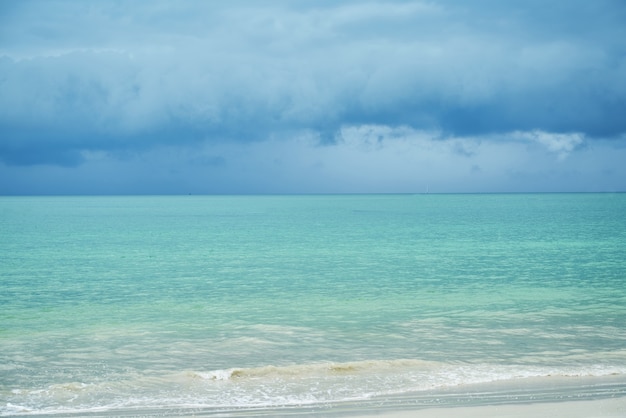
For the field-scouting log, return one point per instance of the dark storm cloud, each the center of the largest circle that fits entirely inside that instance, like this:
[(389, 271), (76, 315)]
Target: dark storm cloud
[(125, 77)]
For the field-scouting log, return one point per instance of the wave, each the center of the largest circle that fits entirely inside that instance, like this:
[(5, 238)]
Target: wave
[(269, 386), (316, 369), (449, 374)]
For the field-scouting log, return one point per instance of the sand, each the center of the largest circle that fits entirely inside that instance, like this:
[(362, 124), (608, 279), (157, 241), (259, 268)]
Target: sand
[(598, 408), (604, 408)]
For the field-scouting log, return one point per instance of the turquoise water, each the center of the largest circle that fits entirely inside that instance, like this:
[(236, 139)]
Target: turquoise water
[(216, 303)]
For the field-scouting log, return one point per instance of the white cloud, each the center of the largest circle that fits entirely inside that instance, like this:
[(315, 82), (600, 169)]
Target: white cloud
[(559, 143)]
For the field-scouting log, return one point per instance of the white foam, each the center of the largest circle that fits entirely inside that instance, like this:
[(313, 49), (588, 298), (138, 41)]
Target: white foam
[(277, 386), (216, 374), (12, 408)]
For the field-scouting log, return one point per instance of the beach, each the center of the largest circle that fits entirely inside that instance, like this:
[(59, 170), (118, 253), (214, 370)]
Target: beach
[(578, 397), (585, 398), (582, 397), (599, 408), (608, 408)]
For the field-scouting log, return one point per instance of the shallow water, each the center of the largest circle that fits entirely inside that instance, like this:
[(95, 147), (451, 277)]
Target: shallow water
[(230, 302)]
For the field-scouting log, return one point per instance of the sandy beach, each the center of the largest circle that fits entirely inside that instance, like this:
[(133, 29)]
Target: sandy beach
[(598, 408), (580, 397), (614, 408), (560, 397)]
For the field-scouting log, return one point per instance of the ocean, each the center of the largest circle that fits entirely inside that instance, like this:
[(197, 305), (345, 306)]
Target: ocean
[(240, 305)]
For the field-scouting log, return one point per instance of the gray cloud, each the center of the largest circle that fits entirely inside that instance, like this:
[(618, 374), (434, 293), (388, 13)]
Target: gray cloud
[(130, 77)]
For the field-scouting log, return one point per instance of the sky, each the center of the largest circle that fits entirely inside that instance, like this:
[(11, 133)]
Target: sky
[(312, 96)]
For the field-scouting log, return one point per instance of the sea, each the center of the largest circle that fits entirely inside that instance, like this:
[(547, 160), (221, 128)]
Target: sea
[(261, 305)]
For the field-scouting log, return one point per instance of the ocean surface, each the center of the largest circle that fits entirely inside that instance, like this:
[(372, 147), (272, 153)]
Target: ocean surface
[(232, 304)]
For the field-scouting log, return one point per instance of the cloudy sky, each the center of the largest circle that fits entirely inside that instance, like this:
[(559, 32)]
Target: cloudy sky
[(312, 96)]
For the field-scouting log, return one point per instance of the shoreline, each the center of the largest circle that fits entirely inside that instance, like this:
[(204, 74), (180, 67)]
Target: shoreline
[(551, 396), (597, 408)]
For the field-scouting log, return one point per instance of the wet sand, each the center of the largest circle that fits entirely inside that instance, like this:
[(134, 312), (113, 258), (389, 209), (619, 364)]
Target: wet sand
[(604, 408)]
